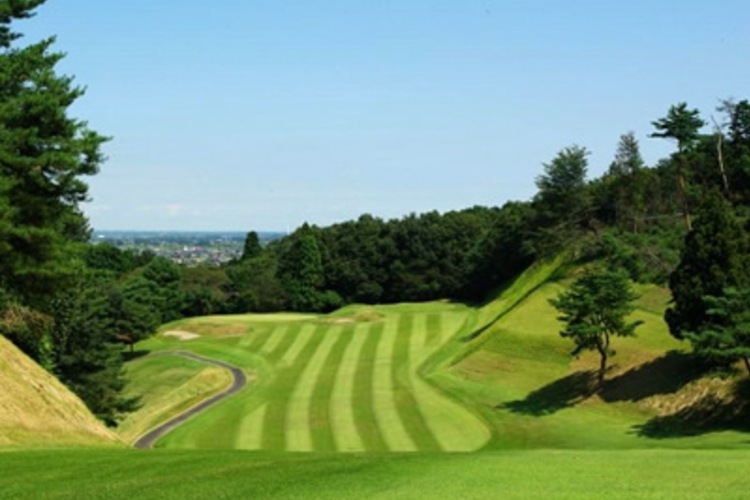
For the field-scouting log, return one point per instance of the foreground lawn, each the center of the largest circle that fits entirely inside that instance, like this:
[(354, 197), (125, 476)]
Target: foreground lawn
[(176, 474)]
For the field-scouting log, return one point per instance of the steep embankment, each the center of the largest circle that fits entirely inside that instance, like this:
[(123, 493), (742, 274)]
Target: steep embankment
[(520, 374), (36, 410)]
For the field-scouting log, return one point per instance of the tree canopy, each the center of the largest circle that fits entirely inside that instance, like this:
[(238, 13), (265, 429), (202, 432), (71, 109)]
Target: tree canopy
[(714, 257), (594, 310)]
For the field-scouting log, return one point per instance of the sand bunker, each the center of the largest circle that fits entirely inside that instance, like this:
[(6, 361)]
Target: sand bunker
[(182, 335)]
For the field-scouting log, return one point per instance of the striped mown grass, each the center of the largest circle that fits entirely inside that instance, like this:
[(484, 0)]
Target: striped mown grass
[(336, 384)]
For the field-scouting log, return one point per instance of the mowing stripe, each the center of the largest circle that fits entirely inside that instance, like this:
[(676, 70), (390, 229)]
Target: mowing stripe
[(454, 427), (321, 424), (408, 407), (254, 341), (247, 339), (300, 341), (274, 437), (345, 431), (386, 412), (434, 324), (363, 400), (297, 423), (273, 341), (250, 435), (292, 332), (419, 343), (450, 323)]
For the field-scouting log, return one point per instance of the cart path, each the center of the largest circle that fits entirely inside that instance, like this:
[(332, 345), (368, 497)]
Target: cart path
[(239, 381)]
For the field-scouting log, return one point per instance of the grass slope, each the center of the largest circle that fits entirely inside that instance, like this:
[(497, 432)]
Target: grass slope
[(551, 475), (520, 375), (168, 386), (36, 410)]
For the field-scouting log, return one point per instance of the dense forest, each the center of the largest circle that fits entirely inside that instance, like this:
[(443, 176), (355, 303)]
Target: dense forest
[(77, 308)]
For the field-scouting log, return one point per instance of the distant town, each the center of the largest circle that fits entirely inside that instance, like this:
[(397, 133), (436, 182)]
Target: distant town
[(189, 248)]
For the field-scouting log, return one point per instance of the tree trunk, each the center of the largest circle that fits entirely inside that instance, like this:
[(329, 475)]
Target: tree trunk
[(685, 205), (747, 364), (720, 156), (602, 366)]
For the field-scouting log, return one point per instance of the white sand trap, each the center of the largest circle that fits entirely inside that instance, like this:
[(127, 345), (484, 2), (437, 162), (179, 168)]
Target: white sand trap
[(182, 335)]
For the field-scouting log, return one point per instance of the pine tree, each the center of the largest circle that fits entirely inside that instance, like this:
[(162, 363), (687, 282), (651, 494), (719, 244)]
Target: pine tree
[(44, 153), (715, 257), (301, 271), (627, 182), (252, 247), (682, 125), (727, 337), (594, 310)]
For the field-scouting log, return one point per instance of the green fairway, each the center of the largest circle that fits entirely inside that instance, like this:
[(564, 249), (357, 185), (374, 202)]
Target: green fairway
[(569, 475), (345, 382)]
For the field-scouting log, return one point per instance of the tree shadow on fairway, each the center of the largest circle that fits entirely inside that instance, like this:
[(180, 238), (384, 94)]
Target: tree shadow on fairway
[(709, 414), (130, 356), (665, 375), (560, 394)]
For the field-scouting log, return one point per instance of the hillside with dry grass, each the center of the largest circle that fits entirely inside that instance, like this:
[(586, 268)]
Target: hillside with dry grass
[(36, 410)]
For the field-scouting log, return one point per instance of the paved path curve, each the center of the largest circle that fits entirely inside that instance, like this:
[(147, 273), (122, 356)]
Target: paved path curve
[(239, 381)]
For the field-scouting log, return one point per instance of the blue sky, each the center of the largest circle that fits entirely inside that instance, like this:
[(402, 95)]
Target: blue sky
[(238, 115)]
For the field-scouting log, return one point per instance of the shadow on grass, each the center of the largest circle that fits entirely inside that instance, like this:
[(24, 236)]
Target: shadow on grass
[(709, 414), (665, 375), (130, 356), (560, 394)]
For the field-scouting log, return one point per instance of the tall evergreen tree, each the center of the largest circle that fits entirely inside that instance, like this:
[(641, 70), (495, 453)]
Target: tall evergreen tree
[(301, 273), (562, 185), (682, 125), (252, 247), (627, 182), (715, 257), (561, 205), (43, 155), (738, 146)]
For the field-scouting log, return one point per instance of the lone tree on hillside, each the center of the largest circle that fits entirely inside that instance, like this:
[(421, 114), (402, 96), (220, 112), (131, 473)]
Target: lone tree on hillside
[(727, 338), (714, 258), (594, 310)]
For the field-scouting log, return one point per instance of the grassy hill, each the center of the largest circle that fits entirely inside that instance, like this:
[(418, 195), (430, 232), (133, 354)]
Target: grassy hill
[(36, 410), (437, 377), (519, 373)]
